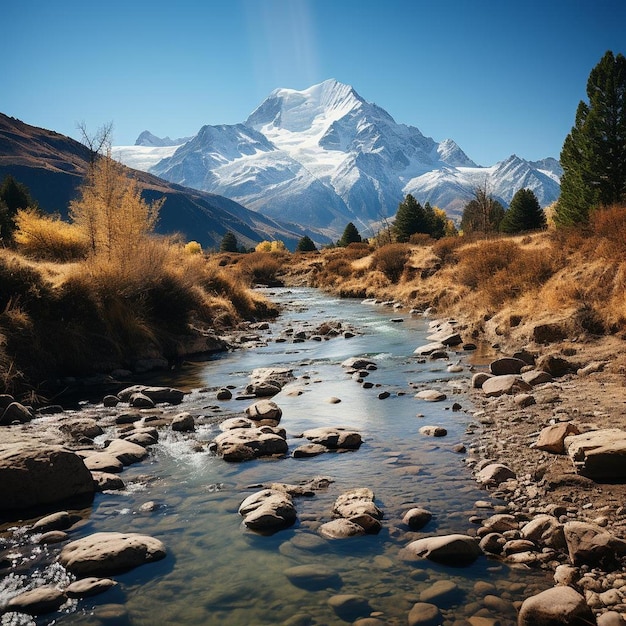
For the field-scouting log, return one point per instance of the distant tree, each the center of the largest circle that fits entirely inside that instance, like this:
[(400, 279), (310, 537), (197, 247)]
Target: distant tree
[(524, 213), (350, 235), (271, 246), (411, 218), (98, 142), (594, 153), (483, 213), (306, 245), (13, 197), (193, 247), (229, 243)]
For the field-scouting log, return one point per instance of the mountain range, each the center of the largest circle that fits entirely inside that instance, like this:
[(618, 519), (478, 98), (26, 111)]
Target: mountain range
[(324, 156), (52, 166)]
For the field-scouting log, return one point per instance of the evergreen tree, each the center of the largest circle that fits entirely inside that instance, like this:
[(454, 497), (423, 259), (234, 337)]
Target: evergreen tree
[(594, 153), (229, 243), (13, 196), (350, 235), (524, 213), (306, 245), (411, 218)]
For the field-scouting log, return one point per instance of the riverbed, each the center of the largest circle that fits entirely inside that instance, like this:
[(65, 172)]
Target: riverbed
[(218, 572)]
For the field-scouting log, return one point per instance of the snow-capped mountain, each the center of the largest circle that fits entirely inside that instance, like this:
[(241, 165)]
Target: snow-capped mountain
[(324, 156)]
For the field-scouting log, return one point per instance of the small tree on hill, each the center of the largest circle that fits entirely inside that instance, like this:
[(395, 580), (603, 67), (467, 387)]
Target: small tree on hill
[(524, 213), (483, 213), (229, 243), (350, 235), (13, 197), (594, 153), (306, 245), (411, 218)]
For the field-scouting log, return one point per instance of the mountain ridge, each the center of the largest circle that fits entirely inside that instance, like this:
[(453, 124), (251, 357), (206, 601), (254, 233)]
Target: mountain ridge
[(325, 156)]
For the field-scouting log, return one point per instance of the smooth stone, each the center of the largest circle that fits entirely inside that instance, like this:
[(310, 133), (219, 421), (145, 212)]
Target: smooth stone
[(55, 521), (103, 462), (126, 452), (309, 450), (349, 607), (90, 586), (105, 481), (494, 474), (38, 601), (156, 394), (313, 577), (268, 510), (431, 395), (433, 431), (183, 423), (416, 518), (558, 605), (340, 529), (264, 410), (424, 614), (442, 592), (110, 552), (334, 437), (447, 549)]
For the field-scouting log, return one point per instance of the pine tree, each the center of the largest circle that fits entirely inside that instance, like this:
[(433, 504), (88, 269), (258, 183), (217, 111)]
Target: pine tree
[(350, 235), (306, 245), (524, 213), (411, 218), (594, 153), (13, 196), (229, 243)]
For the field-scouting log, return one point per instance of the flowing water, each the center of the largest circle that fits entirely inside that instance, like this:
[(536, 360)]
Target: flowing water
[(218, 572)]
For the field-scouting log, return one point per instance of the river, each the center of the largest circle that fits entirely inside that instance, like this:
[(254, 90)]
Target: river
[(218, 572)]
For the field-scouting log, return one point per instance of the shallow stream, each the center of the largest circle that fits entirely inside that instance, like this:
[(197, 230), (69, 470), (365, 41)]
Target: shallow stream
[(217, 572)]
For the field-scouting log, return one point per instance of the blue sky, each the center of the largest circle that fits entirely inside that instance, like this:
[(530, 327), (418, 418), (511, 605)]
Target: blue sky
[(498, 77)]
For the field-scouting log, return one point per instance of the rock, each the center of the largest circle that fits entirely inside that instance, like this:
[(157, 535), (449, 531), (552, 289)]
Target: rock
[(81, 428), (591, 368), (105, 481), (501, 385), (308, 450), (110, 401), (446, 337), (536, 377), (224, 394), (523, 400), (87, 587), (55, 521), (599, 454), (16, 412), (141, 401), (357, 363), (50, 409), (517, 546), (53, 536), (545, 530), (242, 444), (167, 395), (549, 332), (268, 381), (126, 452), (501, 522), (141, 438), (183, 423), (429, 348), (558, 605), (313, 577), (37, 601), (611, 618), (416, 518), (492, 543), (268, 511), (341, 529), (431, 395), (447, 549), (566, 575), (424, 614), (442, 592), (494, 474), (589, 544), (356, 502), (433, 431), (555, 365), (349, 607), (106, 553), (265, 411), (552, 438), (478, 379), (36, 474), (334, 437), (103, 462), (506, 365)]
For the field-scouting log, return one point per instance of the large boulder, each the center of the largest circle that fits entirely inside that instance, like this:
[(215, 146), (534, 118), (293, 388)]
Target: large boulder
[(107, 553), (265, 412), (15, 413), (242, 444), (589, 544), (448, 549), (126, 451), (500, 385), (506, 365), (268, 510), (356, 502), (37, 474), (544, 530), (599, 454), (559, 605)]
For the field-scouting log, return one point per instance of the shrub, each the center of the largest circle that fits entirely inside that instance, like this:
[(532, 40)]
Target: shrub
[(47, 237), (193, 247), (446, 249), (391, 259), (609, 227), (260, 268)]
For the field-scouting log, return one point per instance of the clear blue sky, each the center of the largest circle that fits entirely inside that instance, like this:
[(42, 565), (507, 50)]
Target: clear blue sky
[(498, 77)]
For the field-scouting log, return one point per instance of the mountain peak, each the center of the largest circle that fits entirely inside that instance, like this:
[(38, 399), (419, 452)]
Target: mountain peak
[(148, 139)]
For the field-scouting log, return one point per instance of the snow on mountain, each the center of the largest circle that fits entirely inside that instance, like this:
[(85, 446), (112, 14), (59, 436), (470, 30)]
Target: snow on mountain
[(324, 156), (148, 139)]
